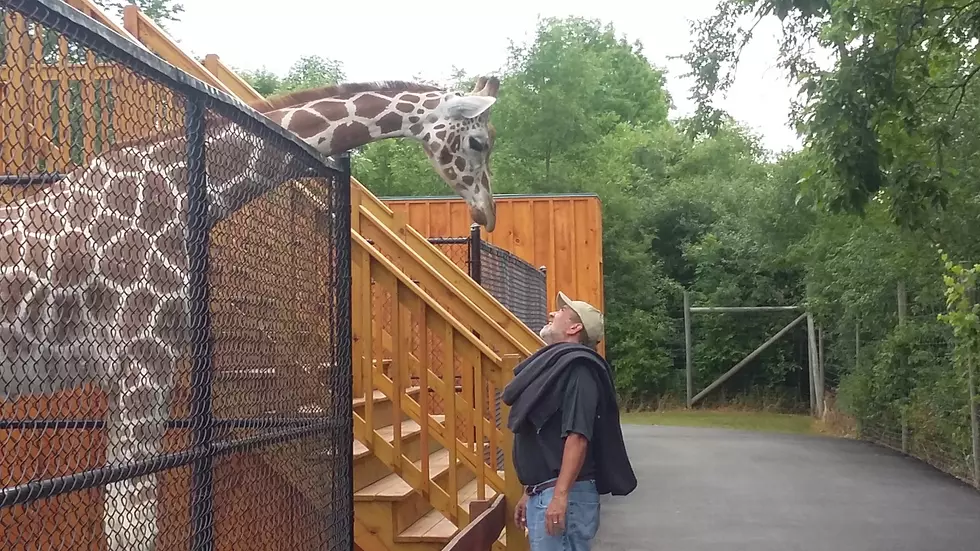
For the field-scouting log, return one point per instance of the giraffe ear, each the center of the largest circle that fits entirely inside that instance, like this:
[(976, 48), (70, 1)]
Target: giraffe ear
[(468, 107)]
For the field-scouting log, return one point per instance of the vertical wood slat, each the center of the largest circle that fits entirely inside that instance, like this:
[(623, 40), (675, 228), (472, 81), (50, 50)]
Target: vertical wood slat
[(448, 335), (64, 104), (367, 367), (35, 132), (424, 402), (479, 394), (88, 103), (15, 95)]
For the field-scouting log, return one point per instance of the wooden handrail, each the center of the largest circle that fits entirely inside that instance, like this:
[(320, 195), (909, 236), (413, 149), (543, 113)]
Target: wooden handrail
[(432, 303), (239, 86), (90, 9), (485, 302), (416, 267), (157, 41)]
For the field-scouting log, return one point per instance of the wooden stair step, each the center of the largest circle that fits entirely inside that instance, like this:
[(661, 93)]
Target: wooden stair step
[(409, 428), (394, 488), (468, 493), (438, 462), (381, 396), (389, 488), (360, 450), (433, 527)]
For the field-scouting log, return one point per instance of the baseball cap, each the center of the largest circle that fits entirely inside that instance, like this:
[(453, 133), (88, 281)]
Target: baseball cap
[(592, 319)]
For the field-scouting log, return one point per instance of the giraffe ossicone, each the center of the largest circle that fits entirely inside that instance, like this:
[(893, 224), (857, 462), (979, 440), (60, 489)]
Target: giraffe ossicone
[(454, 128)]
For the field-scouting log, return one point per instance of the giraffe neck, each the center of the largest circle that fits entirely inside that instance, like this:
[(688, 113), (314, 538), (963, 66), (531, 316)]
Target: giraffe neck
[(344, 121)]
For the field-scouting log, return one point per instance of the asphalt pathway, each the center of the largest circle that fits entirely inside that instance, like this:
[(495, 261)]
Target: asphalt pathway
[(707, 489)]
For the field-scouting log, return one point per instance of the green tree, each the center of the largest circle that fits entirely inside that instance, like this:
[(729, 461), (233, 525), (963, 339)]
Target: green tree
[(881, 117), (307, 72), (159, 11)]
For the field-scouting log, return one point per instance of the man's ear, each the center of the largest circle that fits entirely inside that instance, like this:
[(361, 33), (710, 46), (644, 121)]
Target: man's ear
[(575, 328)]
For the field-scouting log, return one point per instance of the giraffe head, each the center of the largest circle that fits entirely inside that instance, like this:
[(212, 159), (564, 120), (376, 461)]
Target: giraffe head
[(458, 138)]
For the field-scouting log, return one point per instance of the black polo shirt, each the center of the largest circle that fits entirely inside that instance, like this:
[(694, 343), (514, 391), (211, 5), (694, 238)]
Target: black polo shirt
[(538, 453)]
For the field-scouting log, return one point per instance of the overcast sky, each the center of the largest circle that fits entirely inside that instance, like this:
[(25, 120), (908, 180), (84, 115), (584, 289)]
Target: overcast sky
[(392, 39)]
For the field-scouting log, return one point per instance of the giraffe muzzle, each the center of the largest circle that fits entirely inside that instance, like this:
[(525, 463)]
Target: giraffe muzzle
[(484, 215)]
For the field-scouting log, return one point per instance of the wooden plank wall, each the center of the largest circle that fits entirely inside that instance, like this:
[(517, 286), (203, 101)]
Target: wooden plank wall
[(563, 233)]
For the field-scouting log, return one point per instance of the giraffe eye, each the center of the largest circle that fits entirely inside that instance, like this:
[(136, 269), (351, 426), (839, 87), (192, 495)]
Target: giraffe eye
[(476, 145)]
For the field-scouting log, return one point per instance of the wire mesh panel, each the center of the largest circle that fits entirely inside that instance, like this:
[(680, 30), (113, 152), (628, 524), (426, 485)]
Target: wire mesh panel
[(175, 326), (516, 284)]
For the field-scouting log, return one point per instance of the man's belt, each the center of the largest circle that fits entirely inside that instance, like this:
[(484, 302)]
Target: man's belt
[(536, 489)]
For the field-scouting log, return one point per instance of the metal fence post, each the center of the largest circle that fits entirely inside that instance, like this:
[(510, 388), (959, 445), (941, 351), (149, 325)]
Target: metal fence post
[(901, 323), (198, 237), (857, 362), (475, 267), (971, 365), (688, 360)]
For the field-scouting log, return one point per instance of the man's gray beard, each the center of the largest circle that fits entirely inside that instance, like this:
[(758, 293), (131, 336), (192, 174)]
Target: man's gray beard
[(546, 335)]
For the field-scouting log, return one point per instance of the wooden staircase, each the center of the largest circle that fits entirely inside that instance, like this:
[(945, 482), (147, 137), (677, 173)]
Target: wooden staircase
[(432, 350), (390, 511)]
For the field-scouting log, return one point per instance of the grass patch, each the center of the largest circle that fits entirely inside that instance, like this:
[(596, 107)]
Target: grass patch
[(740, 420)]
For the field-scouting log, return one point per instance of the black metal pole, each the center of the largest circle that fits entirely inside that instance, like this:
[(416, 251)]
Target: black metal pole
[(42, 489), (198, 224), (344, 493), (475, 267)]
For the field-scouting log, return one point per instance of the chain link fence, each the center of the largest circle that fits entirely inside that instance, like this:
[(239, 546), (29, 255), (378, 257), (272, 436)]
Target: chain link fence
[(174, 273), (894, 377), (518, 285)]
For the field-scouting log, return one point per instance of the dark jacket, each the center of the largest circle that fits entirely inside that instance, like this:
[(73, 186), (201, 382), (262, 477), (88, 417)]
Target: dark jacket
[(535, 395)]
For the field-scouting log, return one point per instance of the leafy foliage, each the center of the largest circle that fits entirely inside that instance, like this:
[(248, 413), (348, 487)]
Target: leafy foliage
[(159, 11)]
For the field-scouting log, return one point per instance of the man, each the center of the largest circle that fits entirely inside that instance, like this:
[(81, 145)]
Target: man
[(568, 444)]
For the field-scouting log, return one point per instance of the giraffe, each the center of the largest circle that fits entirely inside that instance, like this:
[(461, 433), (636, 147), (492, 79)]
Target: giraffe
[(95, 275), (453, 128)]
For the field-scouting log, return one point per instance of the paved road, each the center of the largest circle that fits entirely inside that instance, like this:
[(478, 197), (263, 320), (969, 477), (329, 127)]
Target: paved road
[(707, 489)]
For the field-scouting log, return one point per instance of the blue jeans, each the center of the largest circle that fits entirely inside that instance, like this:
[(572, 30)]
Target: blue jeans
[(581, 519)]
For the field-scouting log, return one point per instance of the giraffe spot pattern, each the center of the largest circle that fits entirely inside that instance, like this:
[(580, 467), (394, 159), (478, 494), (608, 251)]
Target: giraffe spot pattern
[(331, 110), (305, 124), (15, 288), (349, 135), (66, 320), (445, 156), (28, 250), (468, 180), (101, 301), (159, 204), (369, 106), (136, 313), (73, 259), (404, 107), (124, 260), (460, 163), (390, 122), (122, 195)]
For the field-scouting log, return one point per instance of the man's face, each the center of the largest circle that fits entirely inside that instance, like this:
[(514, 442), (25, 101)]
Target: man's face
[(563, 326)]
